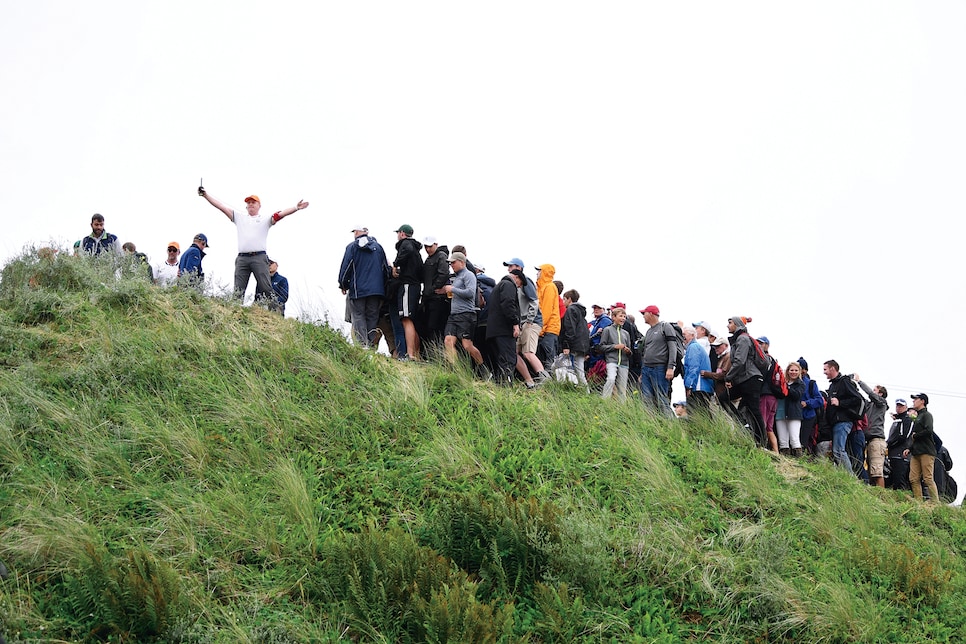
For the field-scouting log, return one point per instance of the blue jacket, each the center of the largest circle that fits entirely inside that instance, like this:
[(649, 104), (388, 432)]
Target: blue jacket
[(280, 286), (106, 244), (696, 360), (364, 268), (812, 397), (597, 327), (190, 264)]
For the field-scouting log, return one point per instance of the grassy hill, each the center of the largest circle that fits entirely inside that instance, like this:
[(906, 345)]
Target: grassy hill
[(178, 468)]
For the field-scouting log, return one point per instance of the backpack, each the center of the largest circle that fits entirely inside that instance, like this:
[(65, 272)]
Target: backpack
[(776, 380), (678, 339), (770, 370), (758, 357), (859, 416)]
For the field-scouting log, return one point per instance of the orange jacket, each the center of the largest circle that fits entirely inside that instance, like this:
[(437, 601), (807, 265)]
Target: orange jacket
[(549, 300)]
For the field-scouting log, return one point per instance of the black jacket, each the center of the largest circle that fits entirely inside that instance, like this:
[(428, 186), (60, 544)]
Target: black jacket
[(847, 411), (435, 273), (574, 334), (899, 435), (923, 437), (409, 261), (504, 309)]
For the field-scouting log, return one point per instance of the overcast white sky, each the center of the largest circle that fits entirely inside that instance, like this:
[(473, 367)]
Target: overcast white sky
[(799, 163)]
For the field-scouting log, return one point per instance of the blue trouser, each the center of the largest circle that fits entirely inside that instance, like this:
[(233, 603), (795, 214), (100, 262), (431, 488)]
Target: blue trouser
[(547, 349), (855, 446), (840, 435), (655, 387)]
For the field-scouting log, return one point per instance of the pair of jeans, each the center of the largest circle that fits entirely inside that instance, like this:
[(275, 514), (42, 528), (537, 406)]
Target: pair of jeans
[(655, 388), (855, 446), (840, 435), (547, 349)]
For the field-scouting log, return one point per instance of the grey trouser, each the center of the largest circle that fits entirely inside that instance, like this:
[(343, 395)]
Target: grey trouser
[(247, 265)]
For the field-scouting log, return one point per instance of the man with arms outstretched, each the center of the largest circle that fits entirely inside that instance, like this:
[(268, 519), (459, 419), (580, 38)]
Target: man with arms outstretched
[(252, 243)]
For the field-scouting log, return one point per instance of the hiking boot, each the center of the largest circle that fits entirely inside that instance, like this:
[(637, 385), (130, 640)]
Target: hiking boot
[(797, 452), (784, 451)]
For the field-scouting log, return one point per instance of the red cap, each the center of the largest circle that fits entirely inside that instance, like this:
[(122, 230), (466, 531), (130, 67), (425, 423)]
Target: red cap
[(651, 309)]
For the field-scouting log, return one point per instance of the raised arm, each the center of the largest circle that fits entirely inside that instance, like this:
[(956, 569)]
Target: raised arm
[(214, 202), (281, 214)]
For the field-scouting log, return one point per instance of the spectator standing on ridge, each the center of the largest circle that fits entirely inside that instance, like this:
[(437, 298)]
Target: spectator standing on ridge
[(189, 267), (658, 358), (788, 413), (898, 444), (768, 401), (503, 325), (461, 324), (362, 278), (549, 298), (744, 379), (434, 308), (166, 272), (407, 271), (923, 450), (279, 286), (100, 241), (617, 352), (722, 351), (634, 341), (697, 388), (531, 321), (486, 285), (574, 335), (875, 438), (813, 403), (600, 322), (252, 231), (844, 404)]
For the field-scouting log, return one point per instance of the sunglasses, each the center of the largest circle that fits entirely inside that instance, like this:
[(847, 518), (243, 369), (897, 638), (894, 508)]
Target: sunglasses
[(172, 249)]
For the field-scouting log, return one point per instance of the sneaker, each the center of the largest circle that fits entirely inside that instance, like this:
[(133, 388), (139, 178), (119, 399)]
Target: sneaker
[(483, 373), (531, 385), (404, 359), (542, 377)]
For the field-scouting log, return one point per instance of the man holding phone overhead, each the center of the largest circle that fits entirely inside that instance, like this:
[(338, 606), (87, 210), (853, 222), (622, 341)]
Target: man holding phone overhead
[(252, 257)]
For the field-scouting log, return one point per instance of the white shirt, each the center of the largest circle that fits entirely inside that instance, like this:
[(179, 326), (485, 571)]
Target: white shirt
[(252, 231), (166, 273)]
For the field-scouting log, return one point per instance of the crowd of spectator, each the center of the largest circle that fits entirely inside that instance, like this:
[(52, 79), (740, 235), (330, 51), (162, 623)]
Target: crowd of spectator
[(516, 329)]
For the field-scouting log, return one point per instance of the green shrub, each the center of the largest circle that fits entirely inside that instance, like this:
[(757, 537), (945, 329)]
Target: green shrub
[(393, 589)]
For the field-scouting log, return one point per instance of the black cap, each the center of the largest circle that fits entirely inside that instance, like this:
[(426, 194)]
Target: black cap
[(923, 397)]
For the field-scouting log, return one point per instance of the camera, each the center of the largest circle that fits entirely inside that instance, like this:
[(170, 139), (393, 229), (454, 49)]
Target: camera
[(201, 191)]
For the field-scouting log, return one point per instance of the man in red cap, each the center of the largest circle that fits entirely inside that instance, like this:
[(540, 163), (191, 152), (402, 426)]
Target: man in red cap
[(252, 258), (658, 359)]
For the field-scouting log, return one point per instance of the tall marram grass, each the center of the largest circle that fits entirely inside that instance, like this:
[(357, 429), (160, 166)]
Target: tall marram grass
[(179, 468)]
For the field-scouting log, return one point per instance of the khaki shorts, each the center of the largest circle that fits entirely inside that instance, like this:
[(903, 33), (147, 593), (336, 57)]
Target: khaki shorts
[(875, 453), (529, 337)]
